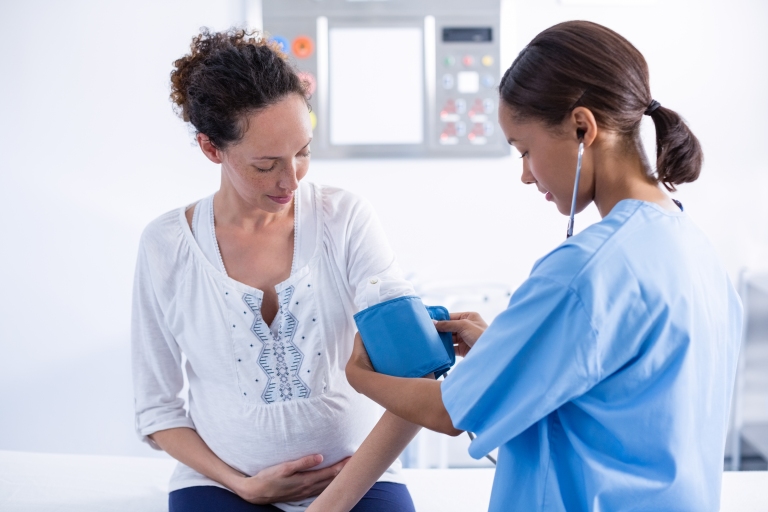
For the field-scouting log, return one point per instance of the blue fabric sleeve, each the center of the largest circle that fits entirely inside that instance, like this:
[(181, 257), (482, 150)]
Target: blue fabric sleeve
[(538, 354)]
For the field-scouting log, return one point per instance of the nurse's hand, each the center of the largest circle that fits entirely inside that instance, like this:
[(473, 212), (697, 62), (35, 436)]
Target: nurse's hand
[(289, 481), (466, 328)]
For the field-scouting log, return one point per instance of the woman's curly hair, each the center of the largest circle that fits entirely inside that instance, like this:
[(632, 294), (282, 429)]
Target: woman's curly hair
[(225, 77)]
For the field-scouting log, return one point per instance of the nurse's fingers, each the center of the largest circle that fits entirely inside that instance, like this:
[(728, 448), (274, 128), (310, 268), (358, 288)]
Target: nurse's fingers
[(460, 321), (464, 331), (461, 349), (467, 315), (453, 326)]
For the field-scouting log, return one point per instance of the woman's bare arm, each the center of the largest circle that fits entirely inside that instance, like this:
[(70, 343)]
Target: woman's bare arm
[(418, 401), (383, 445), (289, 481), (186, 446)]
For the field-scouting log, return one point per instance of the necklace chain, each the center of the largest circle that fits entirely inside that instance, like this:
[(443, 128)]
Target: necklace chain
[(295, 235), (295, 230)]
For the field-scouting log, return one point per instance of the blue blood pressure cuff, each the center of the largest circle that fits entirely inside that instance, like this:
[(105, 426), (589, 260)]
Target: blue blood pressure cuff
[(401, 338)]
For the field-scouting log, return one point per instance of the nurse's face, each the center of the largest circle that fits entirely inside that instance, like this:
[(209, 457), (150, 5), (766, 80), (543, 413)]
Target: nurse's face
[(264, 168), (549, 159)]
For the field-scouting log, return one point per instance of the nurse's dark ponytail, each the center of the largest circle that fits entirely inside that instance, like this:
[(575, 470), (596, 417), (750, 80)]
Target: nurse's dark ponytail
[(582, 64), (678, 152)]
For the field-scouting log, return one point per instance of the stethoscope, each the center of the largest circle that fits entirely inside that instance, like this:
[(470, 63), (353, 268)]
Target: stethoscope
[(580, 134), (569, 233)]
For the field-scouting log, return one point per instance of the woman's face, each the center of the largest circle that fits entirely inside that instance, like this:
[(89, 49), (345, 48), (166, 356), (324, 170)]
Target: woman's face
[(264, 168), (549, 159)]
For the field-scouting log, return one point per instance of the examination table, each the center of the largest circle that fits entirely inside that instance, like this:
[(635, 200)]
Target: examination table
[(39, 482)]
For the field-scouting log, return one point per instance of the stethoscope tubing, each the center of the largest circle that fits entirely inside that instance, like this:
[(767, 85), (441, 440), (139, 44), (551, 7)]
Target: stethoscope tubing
[(575, 191)]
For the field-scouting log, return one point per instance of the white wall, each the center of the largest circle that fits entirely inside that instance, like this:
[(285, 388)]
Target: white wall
[(91, 152)]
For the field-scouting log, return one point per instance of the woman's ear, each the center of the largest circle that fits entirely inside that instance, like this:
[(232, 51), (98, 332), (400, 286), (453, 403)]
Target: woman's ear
[(584, 125), (209, 150)]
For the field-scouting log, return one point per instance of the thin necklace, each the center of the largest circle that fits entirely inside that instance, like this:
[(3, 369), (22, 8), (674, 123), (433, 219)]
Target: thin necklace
[(295, 230), (215, 240), (295, 234)]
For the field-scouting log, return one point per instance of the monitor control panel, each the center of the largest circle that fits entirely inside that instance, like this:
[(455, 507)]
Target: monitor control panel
[(395, 78), (467, 67)]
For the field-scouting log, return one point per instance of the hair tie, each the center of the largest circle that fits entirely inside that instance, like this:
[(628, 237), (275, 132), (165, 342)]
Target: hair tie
[(652, 107)]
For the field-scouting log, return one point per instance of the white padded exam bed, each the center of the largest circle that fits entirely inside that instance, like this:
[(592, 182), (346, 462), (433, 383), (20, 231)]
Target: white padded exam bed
[(39, 482)]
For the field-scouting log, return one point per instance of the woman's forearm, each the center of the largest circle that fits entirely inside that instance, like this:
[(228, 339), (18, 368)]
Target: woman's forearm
[(186, 446), (383, 445), (418, 401)]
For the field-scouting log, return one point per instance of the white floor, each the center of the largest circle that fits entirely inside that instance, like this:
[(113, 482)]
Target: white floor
[(36, 482)]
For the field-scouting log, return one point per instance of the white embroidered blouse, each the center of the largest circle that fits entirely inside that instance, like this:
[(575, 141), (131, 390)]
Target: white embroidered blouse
[(259, 394)]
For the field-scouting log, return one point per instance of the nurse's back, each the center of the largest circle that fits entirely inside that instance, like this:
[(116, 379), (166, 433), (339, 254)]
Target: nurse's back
[(650, 433)]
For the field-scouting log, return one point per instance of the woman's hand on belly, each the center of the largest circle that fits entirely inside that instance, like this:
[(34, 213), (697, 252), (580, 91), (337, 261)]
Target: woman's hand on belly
[(289, 481)]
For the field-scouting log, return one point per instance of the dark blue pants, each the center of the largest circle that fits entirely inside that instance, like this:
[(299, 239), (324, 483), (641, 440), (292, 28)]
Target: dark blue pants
[(382, 497)]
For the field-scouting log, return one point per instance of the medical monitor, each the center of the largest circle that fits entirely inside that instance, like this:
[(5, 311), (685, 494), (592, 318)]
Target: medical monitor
[(396, 78)]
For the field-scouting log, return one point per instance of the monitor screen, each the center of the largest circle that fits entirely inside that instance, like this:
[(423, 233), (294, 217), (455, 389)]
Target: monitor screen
[(467, 35), (376, 81)]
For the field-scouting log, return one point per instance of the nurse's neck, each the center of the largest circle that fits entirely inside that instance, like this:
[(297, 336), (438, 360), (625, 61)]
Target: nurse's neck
[(622, 171)]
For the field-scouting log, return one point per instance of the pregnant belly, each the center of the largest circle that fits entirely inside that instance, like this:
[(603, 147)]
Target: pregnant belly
[(333, 426)]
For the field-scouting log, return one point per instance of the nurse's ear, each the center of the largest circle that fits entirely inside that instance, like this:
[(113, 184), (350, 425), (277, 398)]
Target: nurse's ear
[(584, 125)]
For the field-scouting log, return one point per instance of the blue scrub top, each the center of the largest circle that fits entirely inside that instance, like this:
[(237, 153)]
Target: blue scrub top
[(606, 383)]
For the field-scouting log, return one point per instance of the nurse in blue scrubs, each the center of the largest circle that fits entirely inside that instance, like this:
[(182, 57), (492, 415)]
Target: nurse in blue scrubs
[(606, 383)]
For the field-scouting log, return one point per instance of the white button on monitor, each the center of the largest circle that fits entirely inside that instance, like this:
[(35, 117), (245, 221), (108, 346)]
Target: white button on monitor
[(448, 81), (468, 82)]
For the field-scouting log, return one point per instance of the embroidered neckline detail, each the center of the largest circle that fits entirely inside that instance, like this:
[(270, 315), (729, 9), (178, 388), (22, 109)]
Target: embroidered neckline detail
[(279, 358)]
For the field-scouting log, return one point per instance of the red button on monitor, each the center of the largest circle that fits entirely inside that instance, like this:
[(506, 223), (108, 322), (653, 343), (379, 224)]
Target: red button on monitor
[(476, 108), (302, 47), (448, 112), (468, 60), (448, 136)]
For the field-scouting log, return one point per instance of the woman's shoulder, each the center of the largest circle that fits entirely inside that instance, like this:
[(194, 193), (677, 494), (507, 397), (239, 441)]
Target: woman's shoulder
[(338, 200), (165, 252), (164, 229), (340, 208)]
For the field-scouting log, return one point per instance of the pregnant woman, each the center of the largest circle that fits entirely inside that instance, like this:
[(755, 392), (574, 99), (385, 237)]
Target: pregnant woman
[(252, 290)]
